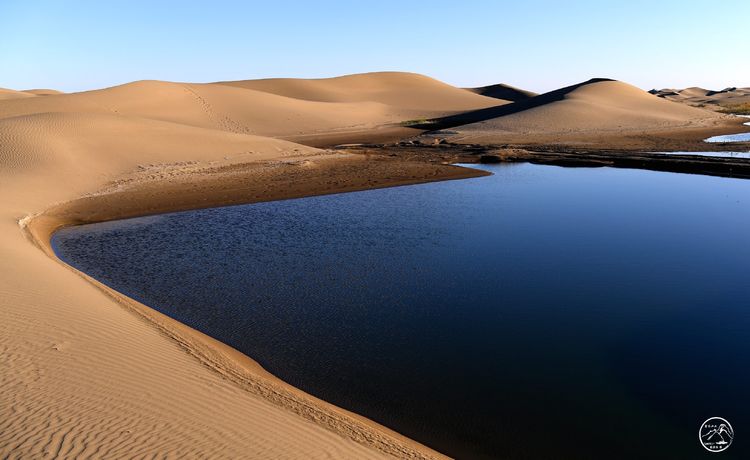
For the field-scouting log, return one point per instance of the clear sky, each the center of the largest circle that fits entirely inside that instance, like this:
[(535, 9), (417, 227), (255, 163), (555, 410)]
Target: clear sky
[(534, 44)]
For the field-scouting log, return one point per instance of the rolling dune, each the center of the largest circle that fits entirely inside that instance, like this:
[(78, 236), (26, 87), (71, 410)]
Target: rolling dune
[(6, 94), (84, 377), (728, 99), (283, 108), (596, 108), (42, 91), (401, 91)]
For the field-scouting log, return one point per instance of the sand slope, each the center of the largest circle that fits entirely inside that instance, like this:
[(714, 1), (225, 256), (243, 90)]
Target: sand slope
[(398, 90), (6, 94), (72, 147), (279, 107), (597, 107), (42, 91), (83, 377)]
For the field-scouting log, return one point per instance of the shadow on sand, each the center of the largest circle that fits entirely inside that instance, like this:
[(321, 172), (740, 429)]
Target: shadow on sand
[(475, 116)]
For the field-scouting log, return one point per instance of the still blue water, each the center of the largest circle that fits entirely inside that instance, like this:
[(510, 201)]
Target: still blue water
[(540, 312)]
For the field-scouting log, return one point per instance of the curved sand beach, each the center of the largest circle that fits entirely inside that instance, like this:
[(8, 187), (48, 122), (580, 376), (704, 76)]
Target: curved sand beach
[(90, 373)]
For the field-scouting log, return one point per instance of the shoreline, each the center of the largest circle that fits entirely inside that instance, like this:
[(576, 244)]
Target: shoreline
[(119, 348), (229, 363), (89, 372)]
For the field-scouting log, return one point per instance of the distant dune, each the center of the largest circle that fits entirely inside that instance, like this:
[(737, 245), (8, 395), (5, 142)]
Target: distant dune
[(503, 92), (13, 94), (597, 107), (276, 107), (6, 94), (398, 90), (728, 99), (43, 91)]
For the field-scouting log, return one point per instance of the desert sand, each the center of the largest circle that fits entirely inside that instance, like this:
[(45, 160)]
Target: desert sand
[(88, 372), (726, 100), (6, 94), (599, 111), (280, 108)]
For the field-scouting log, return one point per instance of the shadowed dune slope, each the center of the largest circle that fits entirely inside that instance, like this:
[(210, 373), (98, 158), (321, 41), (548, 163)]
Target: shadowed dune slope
[(503, 92), (598, 105)]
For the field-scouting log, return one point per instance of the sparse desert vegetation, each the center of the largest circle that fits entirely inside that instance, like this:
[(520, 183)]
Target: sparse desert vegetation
[(737, 109)]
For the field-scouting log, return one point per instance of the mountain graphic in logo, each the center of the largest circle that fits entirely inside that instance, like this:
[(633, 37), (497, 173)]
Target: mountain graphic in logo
[(716, 434)]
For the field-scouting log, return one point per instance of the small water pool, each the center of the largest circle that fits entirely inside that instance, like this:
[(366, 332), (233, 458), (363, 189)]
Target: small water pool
[(741, 137)]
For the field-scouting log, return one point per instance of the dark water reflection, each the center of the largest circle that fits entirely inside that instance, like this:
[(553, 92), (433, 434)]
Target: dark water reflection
[(541, 312)]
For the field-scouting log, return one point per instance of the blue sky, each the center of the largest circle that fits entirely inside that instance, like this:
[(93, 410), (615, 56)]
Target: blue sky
[(534, 44)]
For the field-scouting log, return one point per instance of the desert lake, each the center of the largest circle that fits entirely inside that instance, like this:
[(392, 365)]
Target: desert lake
[(541, 312)]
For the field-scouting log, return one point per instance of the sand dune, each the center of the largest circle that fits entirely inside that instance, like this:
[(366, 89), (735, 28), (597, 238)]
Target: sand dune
[(83, 376), (503, 92), (43, 91), (398, 90), (79, 145), (693, 91), (599, 107), (725, 99), (279, 107), (6, 94)]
